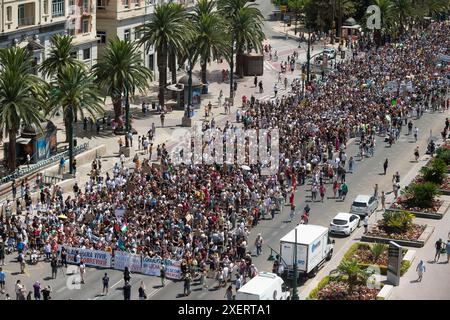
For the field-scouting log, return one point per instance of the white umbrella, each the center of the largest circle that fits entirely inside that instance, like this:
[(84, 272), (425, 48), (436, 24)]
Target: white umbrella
[(244, 167)]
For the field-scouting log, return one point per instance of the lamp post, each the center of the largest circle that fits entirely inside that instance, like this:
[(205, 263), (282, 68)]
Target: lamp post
[(231, 70), (294, 289)]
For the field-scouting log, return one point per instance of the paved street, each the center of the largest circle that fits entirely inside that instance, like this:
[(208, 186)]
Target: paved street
[(367, 172)]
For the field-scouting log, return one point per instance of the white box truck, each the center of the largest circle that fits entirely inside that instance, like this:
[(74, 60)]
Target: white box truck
[(265, 286), (313, 249)]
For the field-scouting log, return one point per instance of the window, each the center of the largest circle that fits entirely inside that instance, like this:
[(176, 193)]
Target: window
[(85, 26), (137, 3), (126, 4), (101, 4), (87, 54), (71, 26), (9, 13), (45, 6), (86, 5), (137, 33), (101, 35), (21, 14), (72, 7), (57, 8), (74, 55), (151, 61), (126, 34)]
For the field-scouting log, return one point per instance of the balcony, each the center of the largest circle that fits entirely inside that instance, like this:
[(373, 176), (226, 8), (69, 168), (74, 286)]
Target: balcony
[(25, 21)]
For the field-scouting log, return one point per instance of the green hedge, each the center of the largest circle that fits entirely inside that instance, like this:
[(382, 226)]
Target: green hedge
[(320, 286)]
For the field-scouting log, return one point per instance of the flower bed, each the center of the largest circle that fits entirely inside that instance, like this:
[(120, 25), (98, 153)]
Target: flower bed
[(338, 290), (412, 234), (362, 253), (400, 204)]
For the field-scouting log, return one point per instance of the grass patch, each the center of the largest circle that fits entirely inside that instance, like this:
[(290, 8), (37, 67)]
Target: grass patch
[(320, 286)]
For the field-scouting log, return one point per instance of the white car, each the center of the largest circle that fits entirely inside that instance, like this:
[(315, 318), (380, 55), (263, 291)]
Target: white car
[(344, 223), (364, 205), (330, 53)]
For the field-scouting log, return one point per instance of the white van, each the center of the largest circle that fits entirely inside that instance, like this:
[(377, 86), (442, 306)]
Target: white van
[(364, 205), (265, 286)]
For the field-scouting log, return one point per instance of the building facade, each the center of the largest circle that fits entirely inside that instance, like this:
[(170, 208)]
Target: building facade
[(32, 23)]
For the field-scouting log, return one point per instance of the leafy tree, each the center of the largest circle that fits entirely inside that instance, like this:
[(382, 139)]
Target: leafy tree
[(421, 194)]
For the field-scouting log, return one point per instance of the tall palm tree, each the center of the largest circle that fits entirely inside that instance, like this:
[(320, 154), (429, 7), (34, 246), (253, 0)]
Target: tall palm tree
[(402, 10), (121, 71), (59, 58), (352, 273), (78, 93), (165, 32), (19, 101), (244, 27), (209, 32)]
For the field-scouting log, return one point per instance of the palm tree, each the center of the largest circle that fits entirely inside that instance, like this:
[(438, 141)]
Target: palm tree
[(165, 32), (402, 10), (377, 250), (244, 27), (59, 58), (19, 101), (209, 32), (78, 93), (121, 71), (352, 273)]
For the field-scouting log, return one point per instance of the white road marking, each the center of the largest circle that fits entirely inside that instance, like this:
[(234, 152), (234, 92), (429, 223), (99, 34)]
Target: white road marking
[(61, 289), (115, 284)]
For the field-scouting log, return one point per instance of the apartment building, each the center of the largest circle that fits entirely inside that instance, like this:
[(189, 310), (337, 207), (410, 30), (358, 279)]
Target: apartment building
[(31, 23), (125, 19)]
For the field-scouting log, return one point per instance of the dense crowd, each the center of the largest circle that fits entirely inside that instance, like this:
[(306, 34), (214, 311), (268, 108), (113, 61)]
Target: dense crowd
[(203, 214)]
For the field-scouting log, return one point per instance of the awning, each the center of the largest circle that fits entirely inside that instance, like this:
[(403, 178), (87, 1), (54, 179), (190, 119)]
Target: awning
[(23, 140)]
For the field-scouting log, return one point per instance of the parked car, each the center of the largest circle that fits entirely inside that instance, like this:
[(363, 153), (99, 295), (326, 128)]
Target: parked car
[(364, 205), (330, 53), (344, 223)]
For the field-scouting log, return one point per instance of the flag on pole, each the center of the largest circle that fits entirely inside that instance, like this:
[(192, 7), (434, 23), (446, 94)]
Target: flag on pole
[(124, 228)]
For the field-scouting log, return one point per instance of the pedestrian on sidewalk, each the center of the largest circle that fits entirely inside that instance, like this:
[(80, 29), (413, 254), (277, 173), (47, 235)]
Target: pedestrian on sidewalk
[(322, 191), (366, 223), (383, 200), (141, 291), (416, 153), (255, 81), (162, 117), (447, 249), (82, 268), (375, 191), (275, 89), (351, 163), (420, 270), (2, 280), (438, 247), (261, 89), (258, 244), (416, 133), (37, 290), (54, 266), (105, 282), (385, 165), (229, 293), (187, 284), (127, 291)]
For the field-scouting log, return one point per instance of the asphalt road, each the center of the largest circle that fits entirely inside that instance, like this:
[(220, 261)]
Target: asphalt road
[(366, 174)]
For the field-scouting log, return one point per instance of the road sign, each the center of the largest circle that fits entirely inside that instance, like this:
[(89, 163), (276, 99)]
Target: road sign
[(395, 257)]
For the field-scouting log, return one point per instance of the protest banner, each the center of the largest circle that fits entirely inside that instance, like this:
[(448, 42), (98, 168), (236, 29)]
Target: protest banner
[(92, 258), (151, 266), (130, 260)]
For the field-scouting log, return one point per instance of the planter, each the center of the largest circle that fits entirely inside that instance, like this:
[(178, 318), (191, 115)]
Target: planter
[(352, 253), (428, 215), (337, 290), (419, 243)]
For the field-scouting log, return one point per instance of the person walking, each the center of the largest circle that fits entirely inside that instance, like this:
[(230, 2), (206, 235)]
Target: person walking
[(344, 191), (322, 191), (46, 293), (383, 200), (64, 257), (385, 165), (82, 268), (127, 291), (37, 290), (420, 270), (2, 252), (54, 266), (187, 284), (255, 81), (275, 90), (229, 293), (351, 164), (292, 213), (105, 282), (416, 153), (162, 117), (447, 249), (375, 191), (2, 280), (416, 133), (126, 275), (258, 244), (366, 224), (162, 272), (438, 247), (141, 291)]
